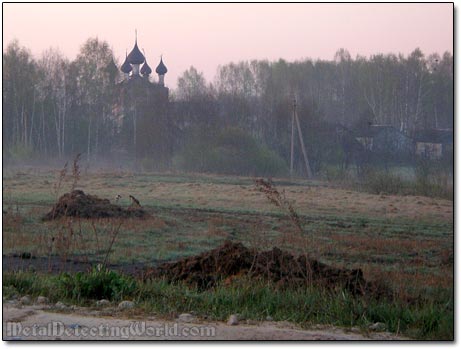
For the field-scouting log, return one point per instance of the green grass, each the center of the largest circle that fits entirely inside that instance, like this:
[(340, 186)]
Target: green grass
[(251, 299)]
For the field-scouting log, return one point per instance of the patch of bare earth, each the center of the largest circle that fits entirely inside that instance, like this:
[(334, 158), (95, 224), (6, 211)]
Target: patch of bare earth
[(81, 205), (284, 269)]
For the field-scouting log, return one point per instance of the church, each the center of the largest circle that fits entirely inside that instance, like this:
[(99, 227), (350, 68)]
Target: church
[(143, 117)]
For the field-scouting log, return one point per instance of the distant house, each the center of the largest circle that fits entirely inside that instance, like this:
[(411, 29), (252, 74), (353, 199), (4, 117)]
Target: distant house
[(434, 143), (348, 141), (384, 139)]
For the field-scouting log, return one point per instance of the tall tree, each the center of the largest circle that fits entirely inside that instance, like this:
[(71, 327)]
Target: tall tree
[(19, 95), (94, 93)]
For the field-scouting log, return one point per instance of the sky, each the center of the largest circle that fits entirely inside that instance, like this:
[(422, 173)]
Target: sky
[(208, 35)]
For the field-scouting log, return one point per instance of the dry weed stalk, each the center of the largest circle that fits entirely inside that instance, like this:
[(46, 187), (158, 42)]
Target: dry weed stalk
[(67, 238), (49, 247), (280, 200), (75, 172), (114, 230), (64, 240), (57, 185), (258, 237), (80, 240), (95, 230), (258, 241), (61, 242)]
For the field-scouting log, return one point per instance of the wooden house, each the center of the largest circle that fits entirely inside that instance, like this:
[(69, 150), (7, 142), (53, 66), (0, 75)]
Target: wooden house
[(384, 139), (434, 143)]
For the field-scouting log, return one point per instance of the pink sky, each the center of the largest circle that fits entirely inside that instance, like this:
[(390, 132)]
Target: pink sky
[(207, 35)]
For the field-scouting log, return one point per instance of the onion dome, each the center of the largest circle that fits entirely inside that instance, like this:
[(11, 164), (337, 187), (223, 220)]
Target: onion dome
[(135, 56), (145, 69), (161, 69), (126, 67)]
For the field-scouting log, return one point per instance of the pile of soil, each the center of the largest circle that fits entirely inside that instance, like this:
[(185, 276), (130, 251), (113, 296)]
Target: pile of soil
[(284, 269), (79, 204)]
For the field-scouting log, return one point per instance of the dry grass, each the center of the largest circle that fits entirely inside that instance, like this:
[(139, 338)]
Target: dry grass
[(410, 284), (318, 199), (384, 245), (398, 247)]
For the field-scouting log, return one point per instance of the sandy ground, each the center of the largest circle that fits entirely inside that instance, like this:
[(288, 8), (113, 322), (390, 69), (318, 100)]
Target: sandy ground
[(33, 319)]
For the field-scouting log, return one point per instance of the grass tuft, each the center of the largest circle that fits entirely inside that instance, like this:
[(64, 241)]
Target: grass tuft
[(252, 299)]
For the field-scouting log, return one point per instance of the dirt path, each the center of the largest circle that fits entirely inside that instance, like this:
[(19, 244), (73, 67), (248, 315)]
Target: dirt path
[(95, 326)]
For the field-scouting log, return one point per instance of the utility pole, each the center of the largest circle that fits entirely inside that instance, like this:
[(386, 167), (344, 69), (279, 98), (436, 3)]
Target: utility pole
[(306, 161), (292, 140)]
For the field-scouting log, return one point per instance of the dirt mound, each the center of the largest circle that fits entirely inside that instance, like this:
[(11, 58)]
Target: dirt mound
[(79, 204), (282, 268)]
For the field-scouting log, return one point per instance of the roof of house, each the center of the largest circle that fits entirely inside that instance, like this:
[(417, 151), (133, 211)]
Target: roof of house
[(373, 130), (443, 136)]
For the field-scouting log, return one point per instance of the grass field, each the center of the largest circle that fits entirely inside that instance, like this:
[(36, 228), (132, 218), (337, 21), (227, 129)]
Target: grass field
[(407, 241)]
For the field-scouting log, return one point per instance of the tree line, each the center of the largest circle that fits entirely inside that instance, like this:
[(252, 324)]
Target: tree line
[(54, 107)]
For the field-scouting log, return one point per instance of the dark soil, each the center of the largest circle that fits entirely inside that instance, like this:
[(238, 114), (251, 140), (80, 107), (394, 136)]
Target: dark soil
[(57, 265), (79, 204), (284, 269), (220, 264)]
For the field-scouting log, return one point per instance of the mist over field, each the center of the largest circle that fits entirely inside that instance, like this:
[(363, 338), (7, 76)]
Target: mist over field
[(241, 123)]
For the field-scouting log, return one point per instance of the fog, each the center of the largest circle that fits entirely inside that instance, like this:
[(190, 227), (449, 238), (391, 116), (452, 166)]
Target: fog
[(387, 118)]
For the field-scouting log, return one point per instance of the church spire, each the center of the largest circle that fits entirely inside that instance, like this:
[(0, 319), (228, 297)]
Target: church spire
[(135, 57)]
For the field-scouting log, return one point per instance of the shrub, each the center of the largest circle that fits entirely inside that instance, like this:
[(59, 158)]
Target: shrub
[(430, 181), (228, 151), (333, 173), (434, 177), (96, 284), (23, 283), (378, 182)]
